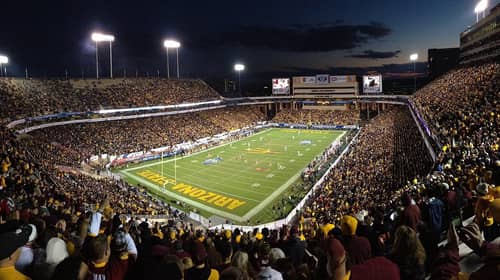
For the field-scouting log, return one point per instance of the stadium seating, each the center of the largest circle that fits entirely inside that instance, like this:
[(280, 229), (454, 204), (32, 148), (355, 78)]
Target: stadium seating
[(365, 218), (29, 98), (337, 117)]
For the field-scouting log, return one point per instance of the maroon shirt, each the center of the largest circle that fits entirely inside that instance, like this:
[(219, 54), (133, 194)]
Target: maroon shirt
[(115, 269), (358, 248), (378, 268), (411, 216)]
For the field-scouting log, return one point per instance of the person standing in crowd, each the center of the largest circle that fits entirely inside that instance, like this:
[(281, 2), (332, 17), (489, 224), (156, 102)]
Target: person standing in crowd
[(358, 247), (408, 253), (11, 243)]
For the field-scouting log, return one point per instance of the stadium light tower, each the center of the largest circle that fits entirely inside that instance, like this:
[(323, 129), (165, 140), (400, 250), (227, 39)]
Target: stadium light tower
[(480, 8), (172, 44), (238, 67), (98, 37), (414, 57), (3, 60)]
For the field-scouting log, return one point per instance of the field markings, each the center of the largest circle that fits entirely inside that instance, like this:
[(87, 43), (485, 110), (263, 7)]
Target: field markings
[(193, 154), (223, 184), (183, 198), (252, 212)]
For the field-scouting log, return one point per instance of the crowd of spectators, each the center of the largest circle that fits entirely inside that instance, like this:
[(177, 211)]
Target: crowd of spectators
[(387, 152), (379, 215), (22, 98), (34, 183), (312, 117), (65, 144)]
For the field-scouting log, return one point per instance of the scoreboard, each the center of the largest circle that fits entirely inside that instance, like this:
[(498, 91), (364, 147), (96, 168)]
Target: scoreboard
[(281, 86), (372, 84), (324, 84)]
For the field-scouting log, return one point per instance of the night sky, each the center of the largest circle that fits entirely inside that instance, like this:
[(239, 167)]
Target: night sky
[(268, 36)]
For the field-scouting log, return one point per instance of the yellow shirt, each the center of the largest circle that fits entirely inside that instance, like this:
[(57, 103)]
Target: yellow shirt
[(10, 273)]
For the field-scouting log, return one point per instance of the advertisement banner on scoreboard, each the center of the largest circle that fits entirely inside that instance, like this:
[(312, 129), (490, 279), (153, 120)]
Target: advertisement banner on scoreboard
[(342, 79), (281, 86), (322, 79), (304, 80), (372, 84)]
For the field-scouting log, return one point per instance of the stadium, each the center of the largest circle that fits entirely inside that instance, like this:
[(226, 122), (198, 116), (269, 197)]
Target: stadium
[(329, 175)]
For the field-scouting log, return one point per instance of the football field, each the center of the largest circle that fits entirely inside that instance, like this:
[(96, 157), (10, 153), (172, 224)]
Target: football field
[(237, 180)]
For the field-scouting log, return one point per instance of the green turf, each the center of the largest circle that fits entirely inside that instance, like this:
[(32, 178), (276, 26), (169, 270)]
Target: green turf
[(254, 172)]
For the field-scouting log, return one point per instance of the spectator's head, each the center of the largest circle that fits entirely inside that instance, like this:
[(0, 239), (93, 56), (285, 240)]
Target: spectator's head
[(119, 242), (275, 254), (285, 266), (71, 268), (482, 189), (240, 260), (198, 253), (406, 200), (232, 273), (407, 246), (349, 225), (11, 242), (99, 250), (56, 251), (336, 259), (174, 267), (263, 251)]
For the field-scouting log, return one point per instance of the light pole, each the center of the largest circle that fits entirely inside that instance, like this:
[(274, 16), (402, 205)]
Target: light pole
[(238, 67), (3, 60), (172, 44), (414, 57), (98, 37), (480, 8)]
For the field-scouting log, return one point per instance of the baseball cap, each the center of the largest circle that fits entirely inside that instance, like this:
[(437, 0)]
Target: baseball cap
[(56, 250), (10, 241)]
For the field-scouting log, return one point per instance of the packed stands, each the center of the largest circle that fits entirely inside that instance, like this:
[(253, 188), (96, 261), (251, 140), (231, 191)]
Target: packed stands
[(387, 152), (380, 214), (22, 98), (80, 141), (332, 117)]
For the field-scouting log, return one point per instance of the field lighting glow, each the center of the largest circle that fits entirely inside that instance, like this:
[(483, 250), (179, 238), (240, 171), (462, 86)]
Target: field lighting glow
[(171, 44), (481, 6), (99, 37), (4, 59), (239, 67)]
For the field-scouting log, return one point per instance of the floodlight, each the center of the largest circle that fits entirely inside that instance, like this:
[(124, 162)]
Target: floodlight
[(171, 44), (414, 56), (98, 37), (4, 59), (239, 67), (481, 6)]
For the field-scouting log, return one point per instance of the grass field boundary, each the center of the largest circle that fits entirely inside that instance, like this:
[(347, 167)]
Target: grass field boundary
[(248, 215)]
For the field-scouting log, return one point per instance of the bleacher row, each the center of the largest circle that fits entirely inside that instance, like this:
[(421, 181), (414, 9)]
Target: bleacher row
[(379, 215), (22, 98)]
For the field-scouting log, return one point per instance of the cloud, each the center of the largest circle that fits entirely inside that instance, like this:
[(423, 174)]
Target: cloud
[(297, 38), (371, 54), (386, 69)]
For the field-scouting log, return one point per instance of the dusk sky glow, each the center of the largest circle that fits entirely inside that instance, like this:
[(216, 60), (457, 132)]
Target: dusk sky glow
[(278, 35)]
